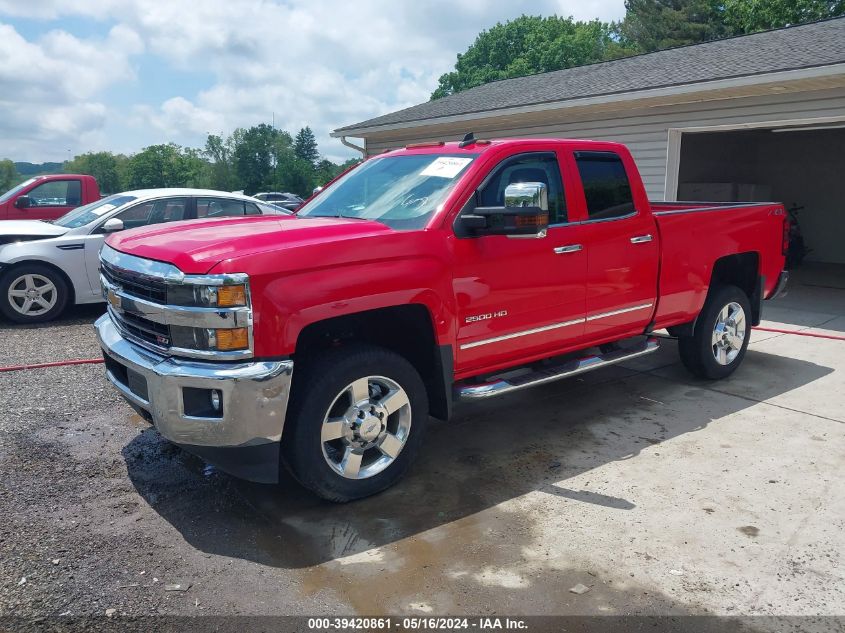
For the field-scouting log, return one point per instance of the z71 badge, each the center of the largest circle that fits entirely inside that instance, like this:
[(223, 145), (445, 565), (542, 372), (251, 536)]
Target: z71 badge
[(485, 317)]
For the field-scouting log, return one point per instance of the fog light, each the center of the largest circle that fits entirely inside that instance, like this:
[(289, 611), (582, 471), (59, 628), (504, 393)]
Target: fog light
[(216, 399)]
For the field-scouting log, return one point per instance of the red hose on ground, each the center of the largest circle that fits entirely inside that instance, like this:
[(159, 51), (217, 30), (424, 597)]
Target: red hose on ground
[(772, 329), (61, 363)]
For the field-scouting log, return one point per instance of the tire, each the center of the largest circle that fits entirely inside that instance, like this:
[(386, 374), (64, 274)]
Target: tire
[(325, 432), (32, 293), (713, 354)]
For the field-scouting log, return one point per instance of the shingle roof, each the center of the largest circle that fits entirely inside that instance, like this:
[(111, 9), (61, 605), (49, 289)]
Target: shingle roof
[(805, 46)]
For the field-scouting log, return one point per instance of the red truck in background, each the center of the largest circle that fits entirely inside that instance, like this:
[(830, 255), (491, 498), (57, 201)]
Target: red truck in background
[(436, 272), (48, 197)]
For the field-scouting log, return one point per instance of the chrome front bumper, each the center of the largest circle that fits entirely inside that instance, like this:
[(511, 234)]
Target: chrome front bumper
[(244, 440)]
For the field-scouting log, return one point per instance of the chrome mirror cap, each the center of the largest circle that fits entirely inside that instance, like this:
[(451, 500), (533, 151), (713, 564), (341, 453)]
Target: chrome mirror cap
[(527, 194)]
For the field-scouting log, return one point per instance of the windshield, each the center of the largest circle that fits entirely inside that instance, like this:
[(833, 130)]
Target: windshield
[(90, 212), (11, 192), (399, 191)]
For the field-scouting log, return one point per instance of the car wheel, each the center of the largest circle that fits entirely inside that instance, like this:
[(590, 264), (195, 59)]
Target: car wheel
[(32, 294), (722, 333), (358, 415)]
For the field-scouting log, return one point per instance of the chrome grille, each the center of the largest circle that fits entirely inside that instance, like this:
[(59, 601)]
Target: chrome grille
[(135, 284)]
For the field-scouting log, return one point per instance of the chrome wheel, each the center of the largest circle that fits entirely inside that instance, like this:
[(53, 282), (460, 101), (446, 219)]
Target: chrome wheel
[(32, 295), (366, 427), (728, 333)]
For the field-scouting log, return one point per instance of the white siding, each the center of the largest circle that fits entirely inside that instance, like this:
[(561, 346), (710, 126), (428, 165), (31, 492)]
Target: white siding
[(645, 130)]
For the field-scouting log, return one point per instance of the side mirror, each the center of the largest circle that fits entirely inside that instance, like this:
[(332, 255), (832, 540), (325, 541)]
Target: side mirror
[(23, 202), (525, 213), (112, 225)]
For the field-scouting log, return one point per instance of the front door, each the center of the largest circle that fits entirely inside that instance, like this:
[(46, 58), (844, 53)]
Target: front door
[(519, 297), (623, 258), (49, 200)]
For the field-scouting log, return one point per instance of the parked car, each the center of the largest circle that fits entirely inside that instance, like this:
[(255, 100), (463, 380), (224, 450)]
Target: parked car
[(45, 266), (48, 197), (289, 201), (429, 273)]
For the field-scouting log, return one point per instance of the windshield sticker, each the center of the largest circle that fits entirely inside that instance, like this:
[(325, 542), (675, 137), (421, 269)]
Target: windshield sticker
[(103, 209), (446, 167)]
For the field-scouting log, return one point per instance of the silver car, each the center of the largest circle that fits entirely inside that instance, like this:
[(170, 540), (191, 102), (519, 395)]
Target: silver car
[(45, 266)]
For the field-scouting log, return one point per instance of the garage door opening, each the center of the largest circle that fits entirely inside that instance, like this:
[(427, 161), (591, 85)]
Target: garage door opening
[(803, 168)]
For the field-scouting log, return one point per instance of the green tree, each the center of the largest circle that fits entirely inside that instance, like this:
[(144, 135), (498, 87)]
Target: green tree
[(219, 153), (166, 166), (106, 167), (253, 153), (747, 16), (8, 175), (528, 45), (651, 25), (305, 146)]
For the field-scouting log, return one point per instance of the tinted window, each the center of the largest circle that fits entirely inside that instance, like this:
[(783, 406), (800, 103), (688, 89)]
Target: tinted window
[(219, 207), (91, 212), (154, 212), (252, 209), (527, 168), (606, 185), (57, 193)]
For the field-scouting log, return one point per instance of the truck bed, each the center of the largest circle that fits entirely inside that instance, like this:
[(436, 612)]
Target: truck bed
[(694, 235)]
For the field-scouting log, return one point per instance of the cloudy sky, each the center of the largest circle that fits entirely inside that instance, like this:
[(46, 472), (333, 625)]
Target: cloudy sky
[(118, 75)]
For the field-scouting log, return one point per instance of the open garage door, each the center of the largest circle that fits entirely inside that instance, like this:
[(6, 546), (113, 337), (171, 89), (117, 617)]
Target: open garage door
[(803, 167)]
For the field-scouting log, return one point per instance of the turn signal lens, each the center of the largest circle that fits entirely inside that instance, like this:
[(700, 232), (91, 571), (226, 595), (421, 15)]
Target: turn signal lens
[(231, 296), (234, 339)]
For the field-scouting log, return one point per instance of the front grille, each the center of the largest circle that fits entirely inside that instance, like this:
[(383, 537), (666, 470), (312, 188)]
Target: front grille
[(156, 334), (137, 285)]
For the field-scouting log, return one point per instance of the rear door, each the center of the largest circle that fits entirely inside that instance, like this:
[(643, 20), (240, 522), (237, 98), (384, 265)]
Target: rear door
[(519, 296), (622, 244)]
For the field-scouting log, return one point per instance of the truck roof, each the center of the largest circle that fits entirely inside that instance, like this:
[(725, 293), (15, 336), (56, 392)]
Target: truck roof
[(482, 145)]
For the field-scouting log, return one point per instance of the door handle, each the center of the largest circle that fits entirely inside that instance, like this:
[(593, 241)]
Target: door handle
[(571, 248), (641, 239)]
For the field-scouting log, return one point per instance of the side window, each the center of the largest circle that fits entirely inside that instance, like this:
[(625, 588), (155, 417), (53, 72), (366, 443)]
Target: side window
[(57, 193), (252, 209), (219, 207), (606, 185), (154, 212), (542, 167)]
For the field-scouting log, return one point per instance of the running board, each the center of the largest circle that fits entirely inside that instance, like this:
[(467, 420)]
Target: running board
[(478, 391)]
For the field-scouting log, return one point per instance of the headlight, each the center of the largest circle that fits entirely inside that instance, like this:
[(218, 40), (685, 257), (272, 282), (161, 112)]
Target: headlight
[(211, 340), (207, 296)]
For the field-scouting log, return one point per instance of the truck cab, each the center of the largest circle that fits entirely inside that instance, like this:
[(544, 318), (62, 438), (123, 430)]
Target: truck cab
[(48, 197), (426, 275)]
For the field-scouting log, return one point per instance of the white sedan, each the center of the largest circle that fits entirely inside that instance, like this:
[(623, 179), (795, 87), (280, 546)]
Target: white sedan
[(45, 266)]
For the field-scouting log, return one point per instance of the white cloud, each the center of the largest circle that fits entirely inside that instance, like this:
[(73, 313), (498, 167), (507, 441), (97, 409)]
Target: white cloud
[(321, 63)]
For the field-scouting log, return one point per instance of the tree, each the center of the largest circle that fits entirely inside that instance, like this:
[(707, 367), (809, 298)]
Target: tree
[(253, 156), (528, 45), (305, 146), (166, 166), (747, 16), (8, 175), (106, 167), (651, 25), (221, 173)]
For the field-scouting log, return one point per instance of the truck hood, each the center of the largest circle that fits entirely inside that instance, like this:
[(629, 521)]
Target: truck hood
[(25, 230), (196, 246)]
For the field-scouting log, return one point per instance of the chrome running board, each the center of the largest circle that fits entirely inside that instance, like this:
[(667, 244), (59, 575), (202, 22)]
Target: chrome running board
[(539, 376)]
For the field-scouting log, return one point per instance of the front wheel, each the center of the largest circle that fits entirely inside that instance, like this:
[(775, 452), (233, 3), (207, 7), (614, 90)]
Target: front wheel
[(32, 293), (358, 415), (721, 337)]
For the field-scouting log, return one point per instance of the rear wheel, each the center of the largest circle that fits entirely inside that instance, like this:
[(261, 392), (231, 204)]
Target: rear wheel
[(721, 336), (358, 415), (32, 294)]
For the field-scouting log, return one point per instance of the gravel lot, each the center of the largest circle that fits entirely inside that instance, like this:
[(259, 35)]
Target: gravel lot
[(660, 493)]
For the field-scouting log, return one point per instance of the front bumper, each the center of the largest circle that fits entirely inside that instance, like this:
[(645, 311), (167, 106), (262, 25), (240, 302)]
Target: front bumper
[(243, 441)]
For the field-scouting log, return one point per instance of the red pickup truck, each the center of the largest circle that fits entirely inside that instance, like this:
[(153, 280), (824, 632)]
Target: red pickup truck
[(436, 272), (48, 197)]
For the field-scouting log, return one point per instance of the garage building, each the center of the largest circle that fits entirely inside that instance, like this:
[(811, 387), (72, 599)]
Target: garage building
[(753, 118)]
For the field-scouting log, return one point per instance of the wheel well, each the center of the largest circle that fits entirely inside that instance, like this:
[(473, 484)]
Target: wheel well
[(740, 270), (71, 299), (406, 330)]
